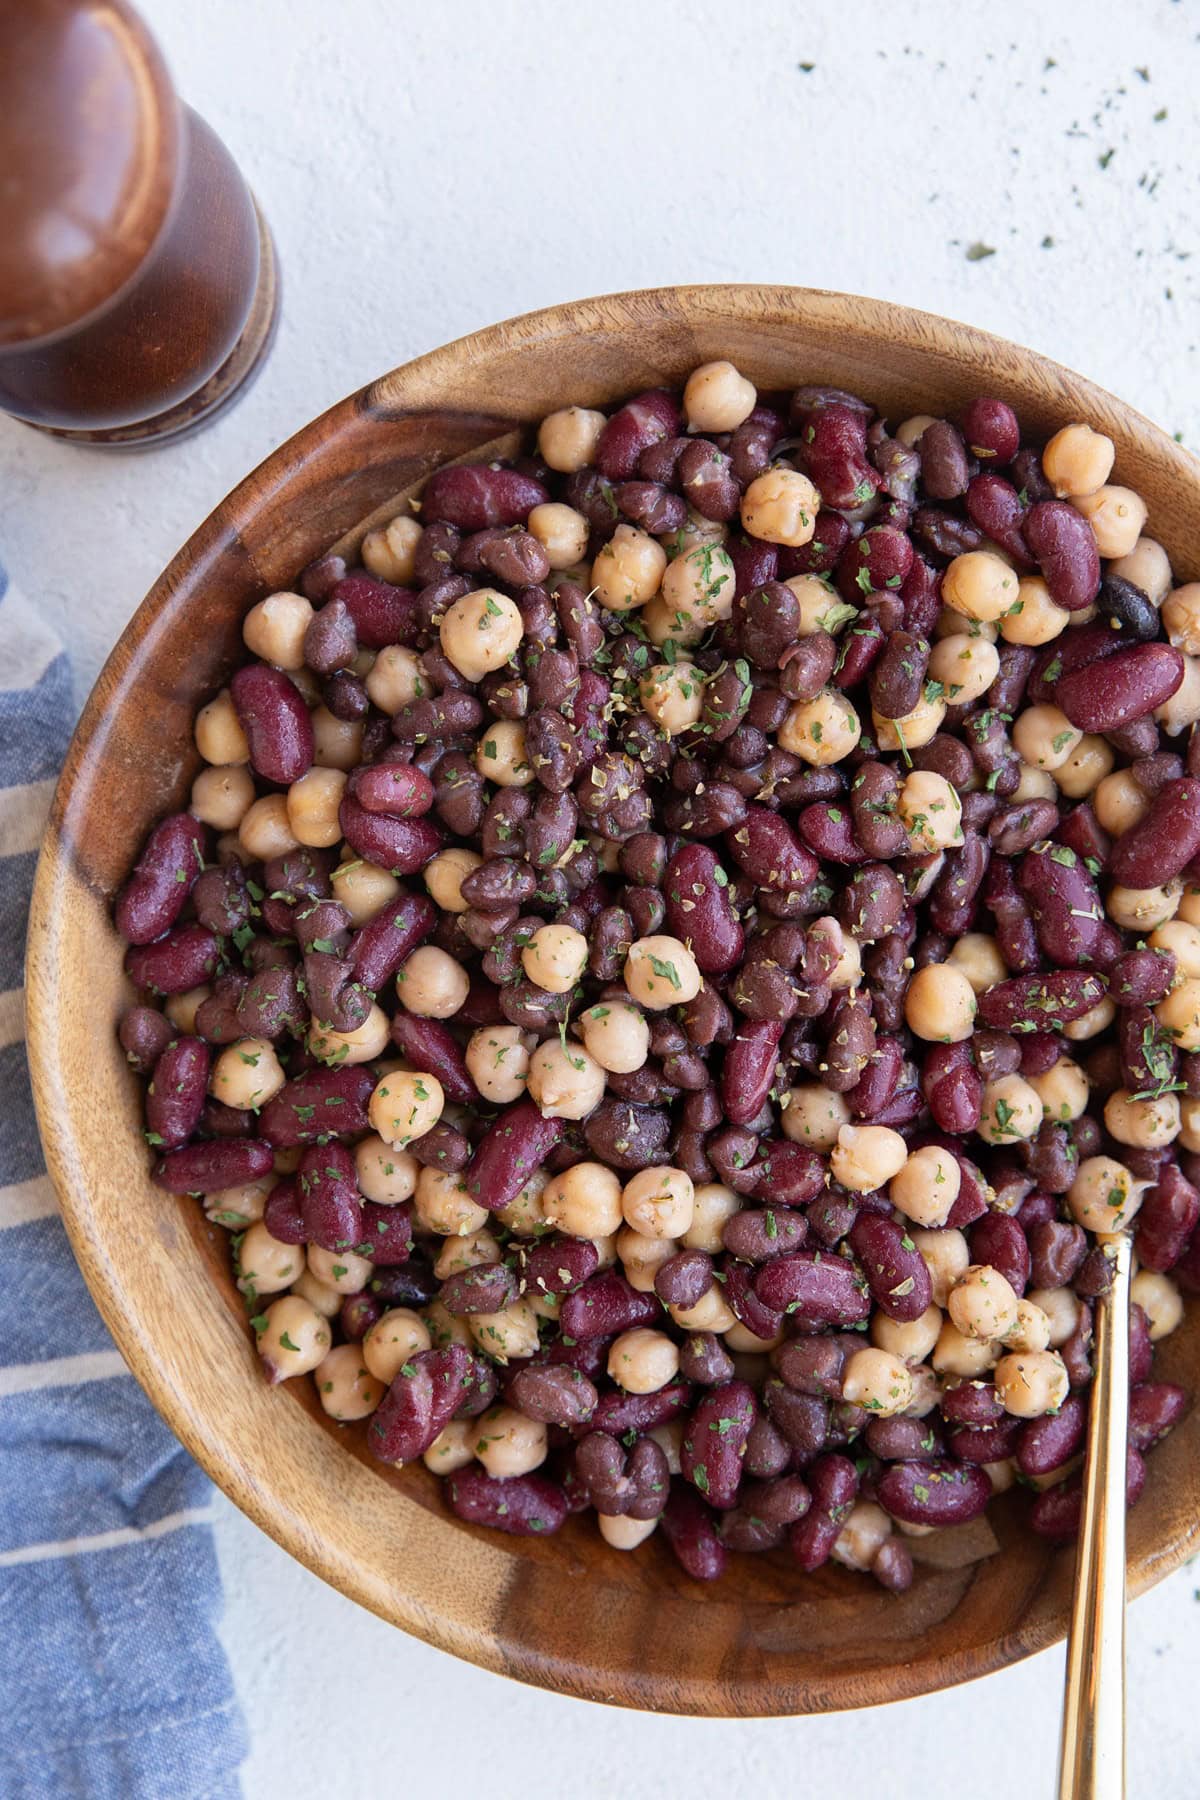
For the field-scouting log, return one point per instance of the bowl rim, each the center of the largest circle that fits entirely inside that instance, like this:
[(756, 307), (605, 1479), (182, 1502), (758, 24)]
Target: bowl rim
[(249, 1488)]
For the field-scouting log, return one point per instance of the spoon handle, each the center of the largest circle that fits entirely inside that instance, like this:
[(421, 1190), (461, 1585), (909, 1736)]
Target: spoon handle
[(1092, 1755)]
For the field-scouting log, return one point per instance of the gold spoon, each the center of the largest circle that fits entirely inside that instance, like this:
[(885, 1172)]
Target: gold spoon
[(1092, 1754)]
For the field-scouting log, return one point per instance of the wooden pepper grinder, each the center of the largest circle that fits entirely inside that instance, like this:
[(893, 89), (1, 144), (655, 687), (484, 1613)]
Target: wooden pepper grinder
[(138, 292)]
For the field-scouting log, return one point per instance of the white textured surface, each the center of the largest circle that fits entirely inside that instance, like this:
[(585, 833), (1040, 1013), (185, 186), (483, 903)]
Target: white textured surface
[(428, 169)]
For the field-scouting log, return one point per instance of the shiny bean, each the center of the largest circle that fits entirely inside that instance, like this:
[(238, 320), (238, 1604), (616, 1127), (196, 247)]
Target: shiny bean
[(157, 891), (272, 713)]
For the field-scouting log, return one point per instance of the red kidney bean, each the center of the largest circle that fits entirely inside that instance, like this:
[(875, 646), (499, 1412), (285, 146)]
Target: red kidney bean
[(1155, 1408), (330, 1203), (322, 1103), (357, 1314), (754, 563), (1141, 977), (1141, 1349), (698, 905), (646, 419), (748, 1073), (972, 1403), (829, 832), (175, 1097), (1015, 829), (833, 451), (714, 1442), (937, 1494), (764, 1321), (272, 713), (1055, 1252), (995, 506), (420, 1401), (401, 845), (1153, 772), (991, 430), (945, 469), (706, 480), (895, 1271), (690, 1529), (429, 1045), (1067, 909), (767, 1450), (1055, 1514), (812, 1365), (1047, 1443), (755, 1236), (789, 1174), (1161, 844), (619, 1413), (1123, 688), (822, 552), (1167, 1220), (157, 891), (767, 849), (183, 959), (833, 1484), (1063, 545), (511, 1150), (985, 1444), (904, 1440), (1147, 1057), (859, 649), (380, 612), (206, 1168), (819, 1287), (1015, 932), (560, 1265), (486, 1288), (144, 1033), (520, 1505), (556, 1396), (1046, 1002), (379, 947), (221, 899), (400, 790), (999, 1241), (704, 1359), (605, 1305), (473, 496), (954, 901), (269, 1004), (685, 1278), (387, 1230), (956, 1099)]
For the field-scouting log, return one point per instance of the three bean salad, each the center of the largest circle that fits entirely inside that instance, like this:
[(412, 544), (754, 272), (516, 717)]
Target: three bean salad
[(676, 964)]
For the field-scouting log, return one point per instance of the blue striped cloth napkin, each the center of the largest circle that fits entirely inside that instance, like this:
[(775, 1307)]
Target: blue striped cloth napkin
[(113, 1684)]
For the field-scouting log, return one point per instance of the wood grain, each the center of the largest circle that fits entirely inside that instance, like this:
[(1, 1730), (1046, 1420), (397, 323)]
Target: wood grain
[(567, 1613)]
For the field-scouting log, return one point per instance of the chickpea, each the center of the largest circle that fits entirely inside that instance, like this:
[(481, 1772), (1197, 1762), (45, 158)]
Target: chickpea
[(718, 398), (405, 1106), (930, 811), (966, 666), (1031, 1383), (628, 569), (478, 1249), (813, 1115), (326, 1299), (939, 1005), (275, 628), (847, 970), (659, 1202), (620, 1532), (982, 1303), (642, 1257), (642, 1361), (697, 533), (673, 695), (1119, 803), (480, 632), (980, 585), (498, 1060), (219, 735), (237, 1207), (780, 506), (1033, 784), (968, 1358), (1063, 1091), (1012, 1111), (501, 757), (1189, 912), (1159, 1299), (445, 874), (584, 1201), (555, 958), (821, 731), (1096, 1020), (1180, 938), (312, 807), (395, 679), (567, 439), (344, 1270), (1033, 619), (1030, 1330), (911, 431), (265, 1265), (564, 1081), (442, 1204), (524, 1216), (740, 1339), (977, 956), (561, 531), (362, 1045), (912, 1340), (265, 830), (946, 1256), (181, 1009), (1077, 460), (293, 1338), (1149, 1124), (347, 1388), (1044, 736), (363, 889), (713, 1204), (393, 549), (927, 1392), (453, 1448), (911, 732), (1086, 766), (952, 624), (431, 984), (865, 1157), (1181, 617), (862, 1537), (1061, 1307), (925, 1186), (1179, 1013), (616, 1036), (698, 587), (661, 972), (1104, 1195), (877, 1381), (1116, 516), (1148, 566), (246, 1074), (506, 1336), (222, 795), (337, 743), (817, 600), (386, 1175), (1183, 708), (507, 1443), (710, 1313)]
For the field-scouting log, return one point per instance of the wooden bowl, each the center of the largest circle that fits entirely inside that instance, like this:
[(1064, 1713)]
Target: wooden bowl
[(567, 1613)]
